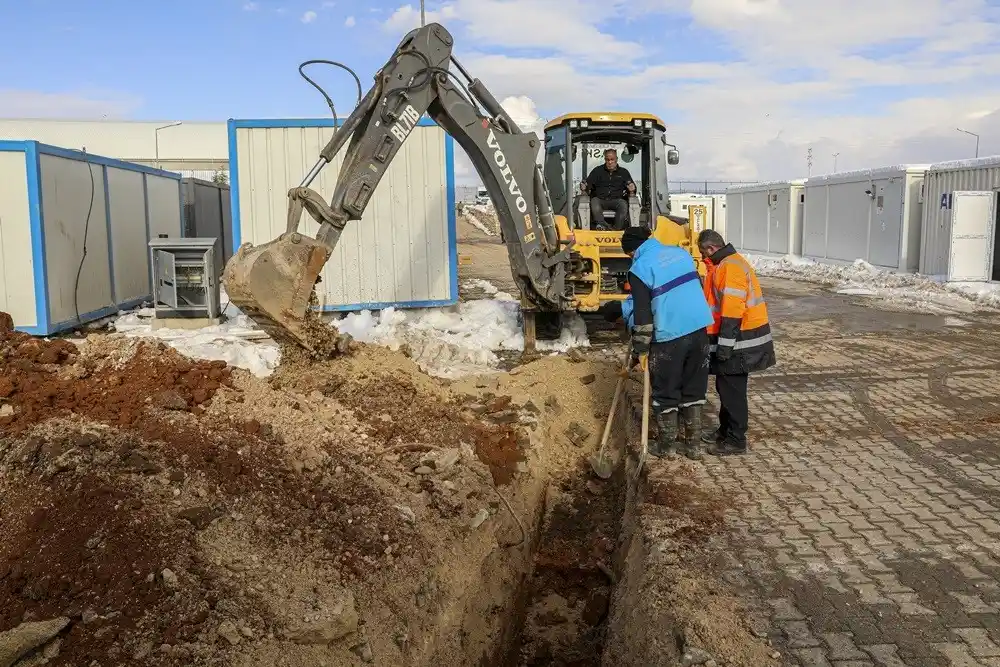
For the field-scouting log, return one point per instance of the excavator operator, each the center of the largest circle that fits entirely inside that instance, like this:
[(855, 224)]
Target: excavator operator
[(609, 186)]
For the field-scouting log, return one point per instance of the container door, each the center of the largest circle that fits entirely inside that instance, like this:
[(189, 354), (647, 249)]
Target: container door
[(166, 279), (887, 224), (972, 226)]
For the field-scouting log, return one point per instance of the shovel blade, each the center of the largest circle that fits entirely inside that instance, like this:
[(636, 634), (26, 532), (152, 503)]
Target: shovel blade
[(601, 466), (273, 285)]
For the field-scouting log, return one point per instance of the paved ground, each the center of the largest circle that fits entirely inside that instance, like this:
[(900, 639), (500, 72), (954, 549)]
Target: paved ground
[(869, 503), (868, 512)]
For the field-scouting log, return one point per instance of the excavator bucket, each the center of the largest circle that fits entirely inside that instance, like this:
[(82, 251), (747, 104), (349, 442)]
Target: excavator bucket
[(273, 284)]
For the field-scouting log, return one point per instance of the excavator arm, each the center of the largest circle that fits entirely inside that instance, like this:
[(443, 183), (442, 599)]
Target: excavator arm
[(273, 283)]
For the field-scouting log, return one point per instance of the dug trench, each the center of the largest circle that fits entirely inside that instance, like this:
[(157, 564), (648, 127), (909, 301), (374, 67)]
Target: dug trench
[(163, 511)]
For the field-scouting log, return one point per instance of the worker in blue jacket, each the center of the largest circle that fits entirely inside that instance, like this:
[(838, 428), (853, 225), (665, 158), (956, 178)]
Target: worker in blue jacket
[(670, 316)]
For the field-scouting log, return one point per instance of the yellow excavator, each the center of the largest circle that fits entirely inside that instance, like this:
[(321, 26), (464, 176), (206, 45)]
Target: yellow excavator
[(558, 262), (575, 144)]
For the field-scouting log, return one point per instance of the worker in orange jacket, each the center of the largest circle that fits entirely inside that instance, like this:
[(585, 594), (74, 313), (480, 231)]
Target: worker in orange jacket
[(740, 338)]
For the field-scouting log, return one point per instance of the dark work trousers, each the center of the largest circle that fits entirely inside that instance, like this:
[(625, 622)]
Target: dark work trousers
[(599, 206), (734, 415), (678, 372)]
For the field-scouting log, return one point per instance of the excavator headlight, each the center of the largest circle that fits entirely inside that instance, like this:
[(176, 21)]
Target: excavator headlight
[(649, 124), (637, 122), (572, 123), (584, 123)]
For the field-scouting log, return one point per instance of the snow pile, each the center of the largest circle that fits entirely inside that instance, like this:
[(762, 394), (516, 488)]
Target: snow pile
[(483, 218), (237, 341), (479, 284), (863, 279), (458, 340)]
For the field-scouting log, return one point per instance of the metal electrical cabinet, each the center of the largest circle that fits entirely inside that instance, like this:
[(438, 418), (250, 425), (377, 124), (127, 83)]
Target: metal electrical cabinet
[(185, 284)]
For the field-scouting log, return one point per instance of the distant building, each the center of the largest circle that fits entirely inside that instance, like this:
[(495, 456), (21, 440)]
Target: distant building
[(193, 148)]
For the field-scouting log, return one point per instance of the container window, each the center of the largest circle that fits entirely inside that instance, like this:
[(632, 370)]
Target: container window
[(880, 201), (802, 198)]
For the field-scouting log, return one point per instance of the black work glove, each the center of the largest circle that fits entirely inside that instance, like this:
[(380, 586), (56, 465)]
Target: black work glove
[(642, 336), (723, 353), (611, 311)]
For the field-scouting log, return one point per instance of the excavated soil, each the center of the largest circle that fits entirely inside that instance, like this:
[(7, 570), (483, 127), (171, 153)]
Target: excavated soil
[(344, 511)]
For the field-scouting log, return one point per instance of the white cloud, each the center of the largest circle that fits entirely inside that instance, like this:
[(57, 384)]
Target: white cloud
[(407, 18), (83, 105), (309, 17), (350, 22), (328, 4), (879, 81), (251, 6)]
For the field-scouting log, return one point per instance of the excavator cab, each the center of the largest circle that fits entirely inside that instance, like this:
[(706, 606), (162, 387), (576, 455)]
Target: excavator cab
[(574, 146)]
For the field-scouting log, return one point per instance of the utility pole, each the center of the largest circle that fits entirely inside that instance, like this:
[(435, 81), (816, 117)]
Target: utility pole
[(423, 15), (156, 140), (835, 162), (809, 162), (973, 134)]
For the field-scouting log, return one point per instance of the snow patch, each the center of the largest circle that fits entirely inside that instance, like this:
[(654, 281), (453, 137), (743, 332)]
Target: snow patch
[(458, 340), (480, 284), (918, 292), (237, 341)]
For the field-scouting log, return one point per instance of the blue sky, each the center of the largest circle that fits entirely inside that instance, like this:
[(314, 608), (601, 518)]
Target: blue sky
[(747, 85)]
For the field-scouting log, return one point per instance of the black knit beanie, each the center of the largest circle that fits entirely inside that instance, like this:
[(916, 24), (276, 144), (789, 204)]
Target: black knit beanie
[(633, 237)]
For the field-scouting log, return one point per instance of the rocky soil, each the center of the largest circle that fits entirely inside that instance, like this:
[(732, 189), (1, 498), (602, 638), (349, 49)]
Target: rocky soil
[(171, 512)]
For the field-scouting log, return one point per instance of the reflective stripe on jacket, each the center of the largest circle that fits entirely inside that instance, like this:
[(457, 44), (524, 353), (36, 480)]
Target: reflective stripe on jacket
[(739, 314), (671, 275)]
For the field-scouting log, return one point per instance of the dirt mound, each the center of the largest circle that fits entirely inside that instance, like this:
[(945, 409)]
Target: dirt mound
[(182, 512), (41, 379)]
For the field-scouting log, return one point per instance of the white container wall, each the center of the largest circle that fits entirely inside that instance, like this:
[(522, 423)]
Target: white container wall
[(715, 212), (873, 214), (765, 217), (54, 204), (942, 181), (403, 253)]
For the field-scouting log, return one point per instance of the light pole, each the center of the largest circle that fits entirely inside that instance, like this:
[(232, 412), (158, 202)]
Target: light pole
[(835, 161), (423, 16), (156, 139), (973, 134)]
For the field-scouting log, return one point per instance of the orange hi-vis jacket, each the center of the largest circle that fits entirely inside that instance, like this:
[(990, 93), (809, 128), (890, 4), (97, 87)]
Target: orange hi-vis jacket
[(741, 333)]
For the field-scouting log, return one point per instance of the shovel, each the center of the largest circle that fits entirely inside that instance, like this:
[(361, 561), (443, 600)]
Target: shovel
[(599, 464), (645, 423)]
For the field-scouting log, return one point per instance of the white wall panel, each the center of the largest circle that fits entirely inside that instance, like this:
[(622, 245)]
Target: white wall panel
[(128, 234), (401, 253), (66, 201), (163, 196), (17, 289)]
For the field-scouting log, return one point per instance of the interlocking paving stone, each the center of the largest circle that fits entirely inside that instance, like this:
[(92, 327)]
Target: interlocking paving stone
[(867, 513)]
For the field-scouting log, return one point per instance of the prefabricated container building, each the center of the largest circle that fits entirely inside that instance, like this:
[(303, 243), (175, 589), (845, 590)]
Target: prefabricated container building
[(872, 214), (943, 180), (766, 217), (403, 253), (208, 214), (64, 211), (715, 214)]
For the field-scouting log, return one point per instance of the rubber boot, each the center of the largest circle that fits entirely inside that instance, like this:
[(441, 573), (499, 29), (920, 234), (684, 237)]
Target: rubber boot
[(713, 437), (666, 440), (691, 418)]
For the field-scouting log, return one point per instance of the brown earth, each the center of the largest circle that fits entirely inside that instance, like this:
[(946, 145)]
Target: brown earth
[(345, 510)]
